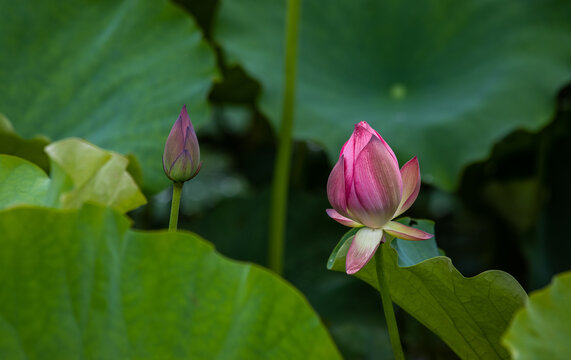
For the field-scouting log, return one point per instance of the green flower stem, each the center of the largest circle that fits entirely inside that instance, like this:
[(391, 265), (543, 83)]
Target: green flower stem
[(278, 208), (176, 191), (387, 303)]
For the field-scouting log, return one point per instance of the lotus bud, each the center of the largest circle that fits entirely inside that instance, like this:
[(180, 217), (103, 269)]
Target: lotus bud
[(368, 190), (181, 159)]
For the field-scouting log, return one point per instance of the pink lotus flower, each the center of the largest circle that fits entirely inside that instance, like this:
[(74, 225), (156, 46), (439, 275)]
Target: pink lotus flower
[(367, 189), (181, 159)]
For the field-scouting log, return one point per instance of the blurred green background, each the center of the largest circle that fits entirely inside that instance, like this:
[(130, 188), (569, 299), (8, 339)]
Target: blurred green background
[(479, 91)]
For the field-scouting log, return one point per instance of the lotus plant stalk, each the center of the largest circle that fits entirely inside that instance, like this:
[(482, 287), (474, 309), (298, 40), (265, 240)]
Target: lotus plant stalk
[(181, 160), (368, 190), (280, 183)]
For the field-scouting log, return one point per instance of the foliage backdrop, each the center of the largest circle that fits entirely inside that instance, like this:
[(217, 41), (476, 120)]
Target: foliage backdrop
[(478, 90)]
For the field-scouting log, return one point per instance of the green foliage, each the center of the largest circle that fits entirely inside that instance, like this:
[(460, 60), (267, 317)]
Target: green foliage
[(29, 149), (443, 80), (350, 309), (542, 329), (80, 283), (469, 314), (114, 72), (21, 182), (80, 172)]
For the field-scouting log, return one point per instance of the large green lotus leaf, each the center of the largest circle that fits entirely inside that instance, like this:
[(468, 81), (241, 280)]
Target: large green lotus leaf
[(80, 172), (358, 329), (542, 329), (114, 72), (469, 314), (441, 79), (81, 284)]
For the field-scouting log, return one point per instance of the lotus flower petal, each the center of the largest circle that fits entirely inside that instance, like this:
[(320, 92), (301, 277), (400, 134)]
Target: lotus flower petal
[(182, 167), (175, 143), (404, 232), (336, 188), (191, 144), (374, 132), (356, 146), (358, 212), (364, 245), (181, 158), (378, 185), (367, 188), (186, 123), (341, 219), (410, 174), (358, 140), (360, 137)]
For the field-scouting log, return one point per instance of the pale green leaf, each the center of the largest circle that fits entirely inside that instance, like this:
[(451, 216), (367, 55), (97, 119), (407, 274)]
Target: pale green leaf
[(80, 172), (21, 182), (81, 284), (5, 125), (542, 329)]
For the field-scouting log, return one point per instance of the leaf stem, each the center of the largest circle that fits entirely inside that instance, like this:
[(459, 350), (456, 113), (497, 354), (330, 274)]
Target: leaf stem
[(176, 192), (278, 207), (387, 303)]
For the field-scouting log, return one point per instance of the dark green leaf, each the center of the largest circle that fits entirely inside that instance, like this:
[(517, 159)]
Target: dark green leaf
[(469, 314), (114, 72), (443, 79), (29, 149)]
